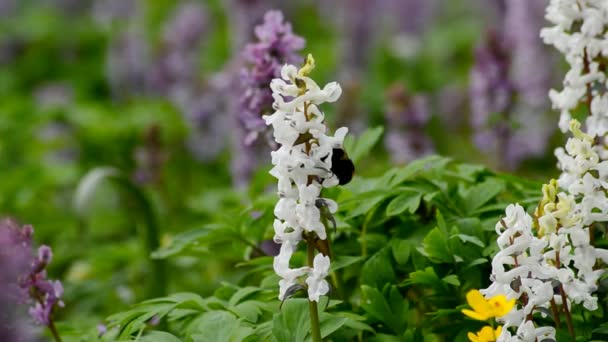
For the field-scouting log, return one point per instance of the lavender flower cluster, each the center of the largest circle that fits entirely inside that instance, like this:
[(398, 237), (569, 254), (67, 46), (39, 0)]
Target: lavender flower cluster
[(509, 80), (406, 117), (23, 279), (277, 45)]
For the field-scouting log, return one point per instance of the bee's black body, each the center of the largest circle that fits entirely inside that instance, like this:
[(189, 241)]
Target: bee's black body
[(342, 166)]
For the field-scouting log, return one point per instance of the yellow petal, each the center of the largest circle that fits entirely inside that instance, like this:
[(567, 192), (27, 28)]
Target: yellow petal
[(486, 334), (500, 305), (498, 331), (472, 337), (475, 315), (478, 302)]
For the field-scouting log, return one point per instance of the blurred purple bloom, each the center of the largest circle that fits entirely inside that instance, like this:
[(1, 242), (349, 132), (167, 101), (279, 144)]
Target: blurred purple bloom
[(107, 11), (174, 71), (276, 45), (186, 28), (357, 26), (101, 329), (406, 117), (52, 95), (491, 88), (411, 16), (7, 7), (243, 15), (531, 64), (45, 294), (23, 276), (127, 64), (509, 83), (15, 259)]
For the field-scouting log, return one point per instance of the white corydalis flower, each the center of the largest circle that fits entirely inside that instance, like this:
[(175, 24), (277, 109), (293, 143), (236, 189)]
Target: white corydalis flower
[(542, 258), (302, 166)]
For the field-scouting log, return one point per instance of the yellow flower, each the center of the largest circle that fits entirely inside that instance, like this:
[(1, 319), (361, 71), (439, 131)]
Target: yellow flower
[(486, 334), (484, 309)]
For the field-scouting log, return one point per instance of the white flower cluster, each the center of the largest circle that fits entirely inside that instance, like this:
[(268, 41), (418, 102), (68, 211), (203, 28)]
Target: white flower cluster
[(581, 47), (547, 263), (519, 271), (302, 166)]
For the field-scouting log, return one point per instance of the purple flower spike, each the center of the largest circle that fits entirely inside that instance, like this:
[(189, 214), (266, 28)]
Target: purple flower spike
[(187, 27), (276, 46), (45, 254), (406, 117), (509, 82), (23, 277)]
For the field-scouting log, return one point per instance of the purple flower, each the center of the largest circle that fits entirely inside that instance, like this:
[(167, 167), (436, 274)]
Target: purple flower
[(23, 276), (185, 30), (276, 45), (102, 329), (406, 117), (107, 11), (127, 64), (509, 82), (45, 254), (491, 88), (243, 16), (15, 259)]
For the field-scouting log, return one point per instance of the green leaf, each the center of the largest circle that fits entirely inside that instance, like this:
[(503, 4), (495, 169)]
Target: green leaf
[(363, 203), (378, 269), (292, 324), (441, 222), (436, 248), (354, 321), (345, 261), (360, 147), (481, 194), (181, 242), (242, 294), (423, 277), (329, 324), (379, 308), (249, 310), (414, 168), (401, 250), (476, 262), (468, 238), (451, 279), (214, 326), (159, 336), (403, 202)]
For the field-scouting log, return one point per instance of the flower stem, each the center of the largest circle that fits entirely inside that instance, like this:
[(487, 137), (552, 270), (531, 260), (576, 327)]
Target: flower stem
[(54, 331), (555, 313), (315, 327), (567, 312)]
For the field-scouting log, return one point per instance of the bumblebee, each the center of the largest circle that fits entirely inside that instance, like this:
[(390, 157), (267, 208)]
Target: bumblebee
[(342, 166)]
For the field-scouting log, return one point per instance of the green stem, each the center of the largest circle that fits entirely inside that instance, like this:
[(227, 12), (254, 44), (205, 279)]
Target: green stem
[(362, 237), (315, 327), (157, 287), (54, 331)]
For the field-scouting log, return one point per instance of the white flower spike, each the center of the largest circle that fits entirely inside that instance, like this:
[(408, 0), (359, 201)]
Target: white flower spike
[(302, 165)]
